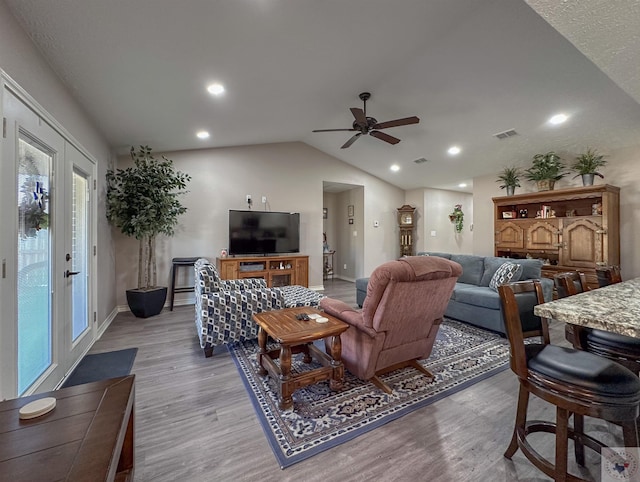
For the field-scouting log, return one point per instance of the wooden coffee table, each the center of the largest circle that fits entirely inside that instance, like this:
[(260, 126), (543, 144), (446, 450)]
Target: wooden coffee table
[(297, 336)]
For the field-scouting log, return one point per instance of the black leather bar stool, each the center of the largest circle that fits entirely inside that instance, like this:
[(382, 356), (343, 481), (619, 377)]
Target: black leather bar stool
[(620, 348), (576, 382), (608, 275), (175, 264)]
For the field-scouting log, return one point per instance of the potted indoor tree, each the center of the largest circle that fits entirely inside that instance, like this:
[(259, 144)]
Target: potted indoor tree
[(510, 179), (587, 165), (546, 169), (142, 201)]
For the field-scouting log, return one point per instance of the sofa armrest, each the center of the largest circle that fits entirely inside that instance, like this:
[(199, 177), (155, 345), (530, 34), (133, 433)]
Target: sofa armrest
[(346, 313), (547, 288)]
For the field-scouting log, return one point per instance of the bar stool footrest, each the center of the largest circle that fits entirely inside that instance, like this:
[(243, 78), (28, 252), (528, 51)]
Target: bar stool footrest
[(535, 426)]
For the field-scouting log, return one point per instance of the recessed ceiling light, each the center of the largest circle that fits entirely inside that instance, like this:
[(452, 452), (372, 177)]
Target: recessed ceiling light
[(558, 119), (202, 135), (454, 150), (395, 168), (462, 184), (216, 89)]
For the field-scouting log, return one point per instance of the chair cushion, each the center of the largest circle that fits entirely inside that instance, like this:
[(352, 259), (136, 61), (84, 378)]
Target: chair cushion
[(619, 343), (583, 370), (186, 261), (472, 268), (504, 274), (476, 296)]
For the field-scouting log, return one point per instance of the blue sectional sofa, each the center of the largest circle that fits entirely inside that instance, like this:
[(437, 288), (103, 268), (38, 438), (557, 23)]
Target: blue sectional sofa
[(472, 300)]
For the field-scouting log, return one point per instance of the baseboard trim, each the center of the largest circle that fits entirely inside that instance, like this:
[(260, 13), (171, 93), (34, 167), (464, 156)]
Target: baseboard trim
[(344, 278), (105, 324), (183, 302)]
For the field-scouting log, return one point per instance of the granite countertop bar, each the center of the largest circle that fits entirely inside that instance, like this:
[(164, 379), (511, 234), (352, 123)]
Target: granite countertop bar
[(614, 308)]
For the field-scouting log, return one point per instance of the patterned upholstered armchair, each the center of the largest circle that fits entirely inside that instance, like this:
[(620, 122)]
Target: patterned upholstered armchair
[(224, 308)]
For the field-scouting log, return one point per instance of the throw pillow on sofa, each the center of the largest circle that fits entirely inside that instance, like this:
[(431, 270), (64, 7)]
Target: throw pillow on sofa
[(504, 274)]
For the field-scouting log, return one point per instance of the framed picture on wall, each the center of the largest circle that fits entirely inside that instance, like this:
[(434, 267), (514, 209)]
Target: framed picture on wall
[(350, 210), (324, 213)]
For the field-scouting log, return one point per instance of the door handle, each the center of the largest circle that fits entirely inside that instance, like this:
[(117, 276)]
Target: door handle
[(68, 273)]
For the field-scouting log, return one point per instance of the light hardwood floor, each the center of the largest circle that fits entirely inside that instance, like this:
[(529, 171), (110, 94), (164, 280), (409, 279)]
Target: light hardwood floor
[(194, 420)]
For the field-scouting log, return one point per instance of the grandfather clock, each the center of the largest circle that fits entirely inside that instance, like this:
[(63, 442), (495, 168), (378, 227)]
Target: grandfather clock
[(406, 218)]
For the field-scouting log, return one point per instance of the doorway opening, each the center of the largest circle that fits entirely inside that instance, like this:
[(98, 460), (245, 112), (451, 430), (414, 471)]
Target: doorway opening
[(343, 228)]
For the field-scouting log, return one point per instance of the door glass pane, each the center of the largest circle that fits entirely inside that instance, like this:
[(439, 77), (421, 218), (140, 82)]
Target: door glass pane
[(79, 255), (34, 262)]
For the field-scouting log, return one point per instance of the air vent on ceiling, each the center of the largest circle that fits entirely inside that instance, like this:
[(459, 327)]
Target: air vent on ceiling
[(506, 134), (422, 160)]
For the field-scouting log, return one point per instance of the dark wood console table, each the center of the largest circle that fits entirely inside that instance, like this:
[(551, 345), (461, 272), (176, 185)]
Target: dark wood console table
[(89, 435)]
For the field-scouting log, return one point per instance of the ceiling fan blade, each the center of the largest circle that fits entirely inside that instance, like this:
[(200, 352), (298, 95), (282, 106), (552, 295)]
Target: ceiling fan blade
[(397, 122), (351, 141), (385, 137), (359, 115), (334, 130)]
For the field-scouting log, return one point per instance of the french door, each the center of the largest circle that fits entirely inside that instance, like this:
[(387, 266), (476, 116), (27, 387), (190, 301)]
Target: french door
[(46, 250), (78, 253)]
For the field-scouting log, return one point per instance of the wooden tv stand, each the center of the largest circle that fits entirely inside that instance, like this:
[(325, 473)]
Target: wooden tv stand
[(282, 270)]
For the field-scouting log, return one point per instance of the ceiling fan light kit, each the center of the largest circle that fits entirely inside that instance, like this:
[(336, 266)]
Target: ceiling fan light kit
[(369, 125)]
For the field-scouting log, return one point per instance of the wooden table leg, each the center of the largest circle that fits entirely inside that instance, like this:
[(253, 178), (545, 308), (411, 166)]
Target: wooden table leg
[(262, 343), (286, 401), (307, 356), (126, 461), (335, 351)]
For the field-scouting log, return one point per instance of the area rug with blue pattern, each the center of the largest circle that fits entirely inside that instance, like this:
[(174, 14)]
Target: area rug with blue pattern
[(322, 419)]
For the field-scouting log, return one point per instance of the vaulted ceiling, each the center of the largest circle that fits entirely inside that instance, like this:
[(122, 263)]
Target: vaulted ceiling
[(468, 69)]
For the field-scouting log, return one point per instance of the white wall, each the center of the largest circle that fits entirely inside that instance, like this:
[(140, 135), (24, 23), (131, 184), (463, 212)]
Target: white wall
[(351, 241), (432, 212), (622, 170), (291, 176), (21, 61)]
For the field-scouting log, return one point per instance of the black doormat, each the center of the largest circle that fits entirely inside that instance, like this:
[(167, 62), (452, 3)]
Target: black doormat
[(100, 366)]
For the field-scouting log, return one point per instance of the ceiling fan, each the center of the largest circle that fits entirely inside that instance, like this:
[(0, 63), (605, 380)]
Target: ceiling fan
[(368, 125)]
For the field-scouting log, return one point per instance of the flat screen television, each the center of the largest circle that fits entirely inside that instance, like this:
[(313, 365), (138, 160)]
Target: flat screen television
[(263, 232)]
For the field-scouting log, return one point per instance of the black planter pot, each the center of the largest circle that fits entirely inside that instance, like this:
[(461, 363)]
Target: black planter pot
[(146, 303)]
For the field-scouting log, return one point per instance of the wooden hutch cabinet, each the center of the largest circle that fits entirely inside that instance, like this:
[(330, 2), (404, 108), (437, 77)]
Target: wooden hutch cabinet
[(275, 270), (575, 228)]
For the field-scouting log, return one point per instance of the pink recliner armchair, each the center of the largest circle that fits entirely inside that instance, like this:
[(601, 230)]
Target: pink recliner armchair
[(397, 326)]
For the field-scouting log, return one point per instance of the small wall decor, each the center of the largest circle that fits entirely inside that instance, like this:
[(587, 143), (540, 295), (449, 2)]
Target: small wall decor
[(324, 213), (457, 217), (350, 220), (350, 210)]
